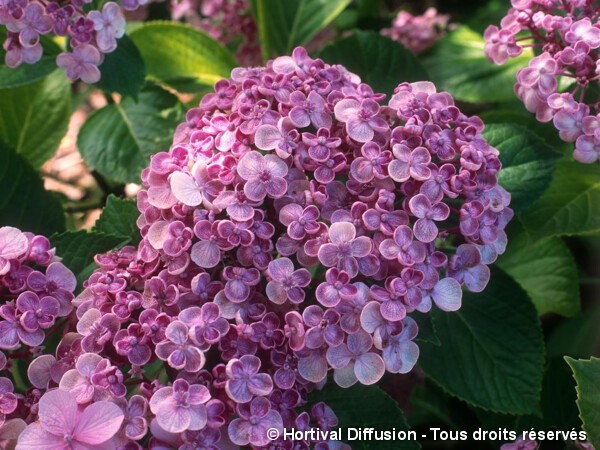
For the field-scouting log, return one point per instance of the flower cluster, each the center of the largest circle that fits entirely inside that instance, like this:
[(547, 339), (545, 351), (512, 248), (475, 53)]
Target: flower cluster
[(226, 21), (294, 225), (418, 33), (560, 83), (36, 291), (35, 287), (91, 33)]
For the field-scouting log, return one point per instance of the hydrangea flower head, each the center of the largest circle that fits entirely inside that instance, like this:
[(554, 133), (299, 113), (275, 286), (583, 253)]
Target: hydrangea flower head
[(290, 231), (557, 85)]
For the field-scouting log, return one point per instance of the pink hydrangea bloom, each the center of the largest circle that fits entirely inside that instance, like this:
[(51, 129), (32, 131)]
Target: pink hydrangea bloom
[(64, 425)]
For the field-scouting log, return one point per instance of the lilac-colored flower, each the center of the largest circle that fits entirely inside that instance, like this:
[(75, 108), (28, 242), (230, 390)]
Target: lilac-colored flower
[(351, 308), (354, 361), (180, 407), (583, 30), (206, 325), (500, 45), (267, 332), (236, 233), (344, 248), (97, 329), (410, 163), (385, 221), (326, 171), (196, 187), (520, 444), (282, 138), (13, 244), (254, 420), (133, 343), (399, 352), (206, 253), (320, 145), (403, 248), (244, 380), (587, 149), (157, 294), (372, 163), (109, 25), (108, 378), (58, 282), (425, 229), (78, 381), (312, 364), (294, 330), (206, 439), (361, 118), (8, 400), (286, 283), (16, 54), (178, 350), (539, 74), (287, 367), (306, 110), (81, 63), (446, 294), (322, 327), (335, 288), (569, 122), (465, 266), (300, 221), (12, 331), (33, 23), (62, 425), (135, 425), (263, 175), (239, 282), (37, 312)]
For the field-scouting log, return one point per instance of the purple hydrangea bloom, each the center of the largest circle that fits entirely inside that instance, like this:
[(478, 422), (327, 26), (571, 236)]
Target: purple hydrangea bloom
[(181, 406), (244, 380), (286, 283)]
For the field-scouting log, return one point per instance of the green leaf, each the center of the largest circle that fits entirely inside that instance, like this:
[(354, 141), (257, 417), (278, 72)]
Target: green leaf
[(546, 270), (283, 25), (571, 205), (427, 331), (587, 375), (577, 337), (517, 114), (119, 219), (379, 61), (24, 202), (182, 57), (34, 117), (78, 248), (123, 70), (458, 65), (527, 163), (492, 351), (28, 73), (365, 407), (118, 139)]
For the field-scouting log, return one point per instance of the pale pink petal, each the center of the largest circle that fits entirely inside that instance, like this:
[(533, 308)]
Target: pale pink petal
[(345, 376), (185, 189), (34, 437), (369, 368), (447, 294), (205, 254), (267, 137), (58, 412), (98, 423)]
